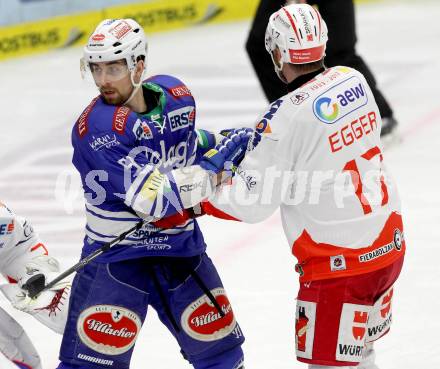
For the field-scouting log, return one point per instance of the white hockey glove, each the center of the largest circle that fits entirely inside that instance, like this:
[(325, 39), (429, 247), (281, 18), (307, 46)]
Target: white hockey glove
[(50, 306)]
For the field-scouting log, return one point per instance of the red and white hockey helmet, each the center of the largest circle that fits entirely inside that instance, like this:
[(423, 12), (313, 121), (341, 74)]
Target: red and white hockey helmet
[(299, 32), (116, 39)]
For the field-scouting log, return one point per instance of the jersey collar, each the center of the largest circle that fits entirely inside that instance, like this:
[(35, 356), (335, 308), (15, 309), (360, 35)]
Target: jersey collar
[(302, 80)]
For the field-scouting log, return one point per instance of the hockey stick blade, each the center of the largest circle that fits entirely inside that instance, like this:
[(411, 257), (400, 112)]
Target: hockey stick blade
[(35, 287)]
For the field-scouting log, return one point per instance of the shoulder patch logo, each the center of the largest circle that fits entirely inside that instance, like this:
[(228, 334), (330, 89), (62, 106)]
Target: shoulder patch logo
[(180, 91), (120, 119), (83, 121), (299, 97)]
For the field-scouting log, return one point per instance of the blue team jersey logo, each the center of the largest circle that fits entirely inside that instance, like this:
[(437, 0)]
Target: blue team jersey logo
[(181, 118), (340, 100)]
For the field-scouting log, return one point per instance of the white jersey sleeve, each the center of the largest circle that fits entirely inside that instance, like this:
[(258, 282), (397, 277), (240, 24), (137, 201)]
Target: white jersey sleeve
[(262, 179), (23, 255), (15, 345), (320, 160), (18, 244)]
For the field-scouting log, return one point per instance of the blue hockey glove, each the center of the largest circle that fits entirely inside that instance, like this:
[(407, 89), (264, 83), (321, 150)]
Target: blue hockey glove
[(229, 153)]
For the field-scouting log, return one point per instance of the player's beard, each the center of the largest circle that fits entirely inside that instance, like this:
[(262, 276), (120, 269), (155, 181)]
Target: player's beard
[(115, 98)]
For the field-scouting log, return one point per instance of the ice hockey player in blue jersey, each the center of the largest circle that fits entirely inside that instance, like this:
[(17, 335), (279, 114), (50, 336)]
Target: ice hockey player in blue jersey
[(132, 145)]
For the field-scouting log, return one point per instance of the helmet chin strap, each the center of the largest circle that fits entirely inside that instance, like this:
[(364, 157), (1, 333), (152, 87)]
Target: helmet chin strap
[(280, 74), (136, 86)]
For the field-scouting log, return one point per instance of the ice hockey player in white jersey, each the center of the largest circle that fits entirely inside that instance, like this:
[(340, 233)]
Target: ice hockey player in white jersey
[(23, 255), (320, 161)]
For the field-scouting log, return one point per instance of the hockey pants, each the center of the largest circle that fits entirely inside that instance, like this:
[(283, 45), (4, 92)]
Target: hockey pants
[(109, 303)]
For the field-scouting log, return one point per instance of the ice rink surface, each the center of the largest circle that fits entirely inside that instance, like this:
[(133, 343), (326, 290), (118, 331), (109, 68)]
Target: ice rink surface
[(41, 97)]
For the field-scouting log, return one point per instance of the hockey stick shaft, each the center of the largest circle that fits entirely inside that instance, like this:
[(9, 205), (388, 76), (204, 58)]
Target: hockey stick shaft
[(35, 288)]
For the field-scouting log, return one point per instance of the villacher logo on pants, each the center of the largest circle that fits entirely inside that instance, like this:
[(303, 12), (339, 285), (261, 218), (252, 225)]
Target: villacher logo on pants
[(202, 321), (108, 329)]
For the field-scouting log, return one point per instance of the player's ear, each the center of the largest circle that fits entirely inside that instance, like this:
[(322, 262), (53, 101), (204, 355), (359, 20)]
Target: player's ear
[(140, 65), (277, 56)]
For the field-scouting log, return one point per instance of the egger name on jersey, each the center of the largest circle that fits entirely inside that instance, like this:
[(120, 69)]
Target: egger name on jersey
[(116, 152), (320, 160)]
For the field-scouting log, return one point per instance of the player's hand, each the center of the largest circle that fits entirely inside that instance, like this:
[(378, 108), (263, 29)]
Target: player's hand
[(49, 307), (229, 153)]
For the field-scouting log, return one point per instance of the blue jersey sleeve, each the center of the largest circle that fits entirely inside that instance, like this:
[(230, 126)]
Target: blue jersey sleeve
[(117, 161)]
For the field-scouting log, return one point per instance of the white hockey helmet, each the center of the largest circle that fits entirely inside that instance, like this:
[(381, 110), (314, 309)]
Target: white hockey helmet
[(116, 39), (299, 32)]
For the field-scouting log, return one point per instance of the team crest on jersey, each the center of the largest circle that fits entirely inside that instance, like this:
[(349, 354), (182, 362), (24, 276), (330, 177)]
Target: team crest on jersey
[(108, 329), (340, 100), (180, 91), (142, 131), (202, 321), (299, 97), (337, 263), (158, 122)]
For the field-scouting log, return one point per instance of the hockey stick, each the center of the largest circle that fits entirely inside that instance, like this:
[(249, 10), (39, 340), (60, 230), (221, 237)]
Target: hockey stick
[(37, 284)]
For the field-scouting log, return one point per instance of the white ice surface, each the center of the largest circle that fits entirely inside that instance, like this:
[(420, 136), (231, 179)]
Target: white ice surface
[(41, 96)]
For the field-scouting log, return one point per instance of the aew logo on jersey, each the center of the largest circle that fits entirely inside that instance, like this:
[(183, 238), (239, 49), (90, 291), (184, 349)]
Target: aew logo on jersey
[(340, 100), (181, 118)]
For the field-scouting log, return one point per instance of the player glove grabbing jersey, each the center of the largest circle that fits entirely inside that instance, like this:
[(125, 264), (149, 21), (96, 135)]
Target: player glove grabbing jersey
[(229, 153), (22, 257)]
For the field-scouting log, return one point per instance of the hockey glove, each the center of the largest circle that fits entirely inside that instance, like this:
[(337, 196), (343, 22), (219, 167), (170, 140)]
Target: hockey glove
[(229, 153), (50, 306)]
